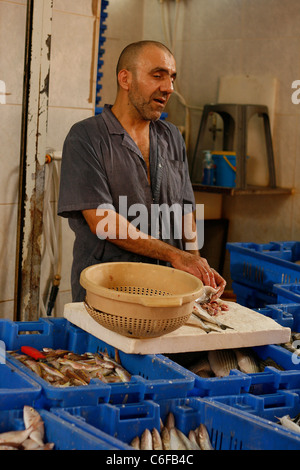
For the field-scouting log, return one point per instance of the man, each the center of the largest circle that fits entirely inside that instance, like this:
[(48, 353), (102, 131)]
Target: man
[(128, 160)]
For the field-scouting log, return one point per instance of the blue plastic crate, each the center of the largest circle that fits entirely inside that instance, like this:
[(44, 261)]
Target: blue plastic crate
[(64, 435), (121, 422), (16, 388), (287, 315), (238, 382), (287, 293), (263, 265), (266, 408), (252, 297), (228, 428), (151, 377)]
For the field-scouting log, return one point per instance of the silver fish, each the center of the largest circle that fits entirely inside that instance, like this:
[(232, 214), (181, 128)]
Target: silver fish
[(31, 416), (246, 361), (288, 423), (189, 444), (156, 440), (165, 437), (170, 421), (193, 438), (199, 312), (146, 440), (201, 365), (204, 439), (222, 362), (198, 322), (123, 374), (206, 294), (175, 441), (15, 437), (136, 443)]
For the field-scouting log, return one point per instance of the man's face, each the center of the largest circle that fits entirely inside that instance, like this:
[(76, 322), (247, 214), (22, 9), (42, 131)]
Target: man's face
[(152, 82)]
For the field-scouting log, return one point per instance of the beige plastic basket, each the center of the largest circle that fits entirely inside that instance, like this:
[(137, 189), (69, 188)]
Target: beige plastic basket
[(139, 300)]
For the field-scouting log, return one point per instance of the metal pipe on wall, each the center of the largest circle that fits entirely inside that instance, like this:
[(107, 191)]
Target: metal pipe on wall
[(32, 158)]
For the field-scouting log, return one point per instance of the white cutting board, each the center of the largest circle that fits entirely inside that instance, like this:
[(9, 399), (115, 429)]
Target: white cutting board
[(250, 329)]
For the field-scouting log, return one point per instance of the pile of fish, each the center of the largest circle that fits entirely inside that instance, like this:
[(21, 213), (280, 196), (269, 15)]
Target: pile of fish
[(219, 363), (293, 424), (294, 344), (31, 438), (62, 368), (171, 438)]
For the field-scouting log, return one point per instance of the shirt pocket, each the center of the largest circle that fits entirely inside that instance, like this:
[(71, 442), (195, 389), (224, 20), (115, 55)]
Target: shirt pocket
[(173, 181)]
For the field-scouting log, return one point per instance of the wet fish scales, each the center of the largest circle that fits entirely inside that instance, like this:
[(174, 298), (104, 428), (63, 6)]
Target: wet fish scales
[(222, 362), (246, 361)]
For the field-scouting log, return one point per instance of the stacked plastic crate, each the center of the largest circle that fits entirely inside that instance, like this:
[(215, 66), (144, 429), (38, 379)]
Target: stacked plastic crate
[(101, 51), (267, 277), (239, 411)]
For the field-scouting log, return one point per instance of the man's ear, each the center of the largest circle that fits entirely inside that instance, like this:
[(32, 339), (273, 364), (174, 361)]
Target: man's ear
[(124, 79)]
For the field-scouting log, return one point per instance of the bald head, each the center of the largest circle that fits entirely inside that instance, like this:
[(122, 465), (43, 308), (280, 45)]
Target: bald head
[(129, 56)]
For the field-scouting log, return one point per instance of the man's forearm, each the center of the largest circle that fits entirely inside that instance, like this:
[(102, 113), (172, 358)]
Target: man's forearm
[(116, 228)]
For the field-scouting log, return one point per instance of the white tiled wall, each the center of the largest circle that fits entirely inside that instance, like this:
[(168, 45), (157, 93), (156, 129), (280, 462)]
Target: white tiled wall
[(214, 39)]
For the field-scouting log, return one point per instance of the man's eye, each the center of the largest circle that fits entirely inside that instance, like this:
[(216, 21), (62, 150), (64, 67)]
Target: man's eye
[(156, 76)]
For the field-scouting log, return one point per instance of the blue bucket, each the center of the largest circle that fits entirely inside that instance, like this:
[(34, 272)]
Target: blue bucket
[(225, 171)]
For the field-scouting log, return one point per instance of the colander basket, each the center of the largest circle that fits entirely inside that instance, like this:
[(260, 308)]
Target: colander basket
[(139, 300)]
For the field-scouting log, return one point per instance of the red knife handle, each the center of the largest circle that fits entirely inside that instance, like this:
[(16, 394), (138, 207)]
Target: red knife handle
[(32, 352)]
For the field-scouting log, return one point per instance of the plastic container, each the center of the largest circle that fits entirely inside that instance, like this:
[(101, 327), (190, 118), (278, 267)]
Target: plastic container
[(64, 435), (225, 168), (228, 428), (139, 300), (208, 177), (287, 315), (16, 388), (287, 293), (252, 297), (263, 265), (121, 422), (238, 382), (152, 377), (267, 409)]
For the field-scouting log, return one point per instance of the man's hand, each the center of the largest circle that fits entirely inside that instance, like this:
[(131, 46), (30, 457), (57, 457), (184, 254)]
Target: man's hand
[(199, 267)]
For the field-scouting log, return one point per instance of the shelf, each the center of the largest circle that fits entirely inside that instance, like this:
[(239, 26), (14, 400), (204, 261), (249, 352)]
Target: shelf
[(250, 190)]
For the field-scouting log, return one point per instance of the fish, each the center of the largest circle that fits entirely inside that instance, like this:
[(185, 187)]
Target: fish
[(165, 437), (146, 440), (31, 438), (189, 444), (123, 374), (136, 443), (204, 315), (201, 324), (30, 416), (176, 442), (156, 440), (204, 439), (63, 368), (170, 421), (202, 365), (222, 362), (246, 361), (289, 423), (17, 437), (193, 438), (268, 362)]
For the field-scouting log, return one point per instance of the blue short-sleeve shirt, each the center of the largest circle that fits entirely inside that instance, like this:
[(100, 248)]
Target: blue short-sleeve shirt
[(102, 165)]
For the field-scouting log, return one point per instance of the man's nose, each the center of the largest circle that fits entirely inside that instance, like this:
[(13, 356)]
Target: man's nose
[(168, 85)]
